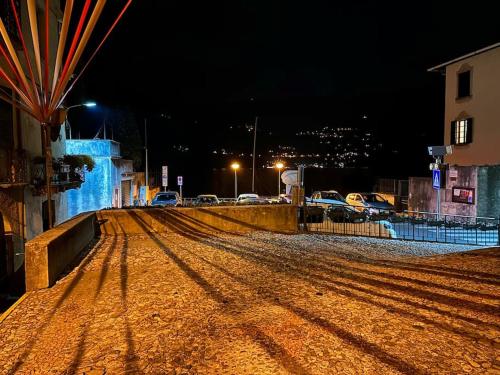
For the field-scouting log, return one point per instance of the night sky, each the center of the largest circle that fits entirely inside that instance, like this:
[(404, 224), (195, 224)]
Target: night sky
[(298, 65)]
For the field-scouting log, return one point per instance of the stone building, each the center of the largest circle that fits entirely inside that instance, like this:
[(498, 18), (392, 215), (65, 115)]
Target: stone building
[(23, 205), (472, 127)]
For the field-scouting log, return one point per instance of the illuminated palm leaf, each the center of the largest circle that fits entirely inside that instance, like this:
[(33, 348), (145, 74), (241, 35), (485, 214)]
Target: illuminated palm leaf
[(33, 93)]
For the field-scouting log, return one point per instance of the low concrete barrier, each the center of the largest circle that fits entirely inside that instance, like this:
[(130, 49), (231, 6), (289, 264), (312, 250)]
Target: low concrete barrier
[(49, 254), (230, 219)]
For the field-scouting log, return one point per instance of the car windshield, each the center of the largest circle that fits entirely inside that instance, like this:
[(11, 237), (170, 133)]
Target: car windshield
[(332, 196), (373, 198), (206, 199), (249, 196), (165, 197)]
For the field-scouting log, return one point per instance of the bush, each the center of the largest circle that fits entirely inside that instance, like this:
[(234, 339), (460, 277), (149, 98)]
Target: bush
[(79, 162)]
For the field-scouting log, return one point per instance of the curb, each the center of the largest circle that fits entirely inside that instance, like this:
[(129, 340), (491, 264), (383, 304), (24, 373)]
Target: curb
[(13, 307)]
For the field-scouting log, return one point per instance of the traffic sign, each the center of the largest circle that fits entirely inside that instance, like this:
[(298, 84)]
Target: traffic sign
[(164, 176), (179, 180), (436, 179)]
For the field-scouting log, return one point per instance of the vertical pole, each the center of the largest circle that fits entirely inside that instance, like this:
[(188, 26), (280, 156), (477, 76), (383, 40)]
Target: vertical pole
[(279, 182), (48, 170), (438, 200), (146, 149), (253, 154), (147, 165), (498, 231), (235, 184)]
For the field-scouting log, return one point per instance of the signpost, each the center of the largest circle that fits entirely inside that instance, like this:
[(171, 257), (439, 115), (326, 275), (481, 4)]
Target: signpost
[(436, 184), (180, 182), (164, 177), (436, 179)]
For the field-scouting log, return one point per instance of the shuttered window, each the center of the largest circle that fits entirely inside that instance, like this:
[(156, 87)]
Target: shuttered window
[(461, 132)]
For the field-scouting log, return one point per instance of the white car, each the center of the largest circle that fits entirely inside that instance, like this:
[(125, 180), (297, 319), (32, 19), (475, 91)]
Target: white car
[(326, 198), (250, 199)]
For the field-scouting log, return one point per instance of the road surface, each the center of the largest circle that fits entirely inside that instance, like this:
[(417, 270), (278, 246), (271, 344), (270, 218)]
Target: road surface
[(187, 302)]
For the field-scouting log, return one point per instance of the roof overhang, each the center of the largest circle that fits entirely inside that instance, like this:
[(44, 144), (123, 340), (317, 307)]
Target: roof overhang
[(441, 67)]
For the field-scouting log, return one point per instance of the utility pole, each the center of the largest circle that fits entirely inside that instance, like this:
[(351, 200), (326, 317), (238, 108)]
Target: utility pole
[(146, 150), (253, 154), (48, 171)]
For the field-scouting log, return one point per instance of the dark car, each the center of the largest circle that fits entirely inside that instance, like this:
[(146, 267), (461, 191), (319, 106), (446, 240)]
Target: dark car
[(345, 214), (206, 200), (166, 198)]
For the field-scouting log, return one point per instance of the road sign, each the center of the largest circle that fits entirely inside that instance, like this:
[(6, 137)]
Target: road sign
[(179, 180), (164, 176), (436, 179)]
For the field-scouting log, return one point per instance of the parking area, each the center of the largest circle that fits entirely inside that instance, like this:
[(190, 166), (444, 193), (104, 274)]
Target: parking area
[(191, 302)]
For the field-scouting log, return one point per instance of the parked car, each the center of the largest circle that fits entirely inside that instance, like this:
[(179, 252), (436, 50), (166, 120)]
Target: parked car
[(345, 214), (250, 199), (372, 203), (326, 198), (285, 198), (166, 198), (281, 199), (314, 214), (206, 200)]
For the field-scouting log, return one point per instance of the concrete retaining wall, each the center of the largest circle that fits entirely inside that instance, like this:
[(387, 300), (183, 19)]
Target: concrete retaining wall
[(50, 253), (231, 219)]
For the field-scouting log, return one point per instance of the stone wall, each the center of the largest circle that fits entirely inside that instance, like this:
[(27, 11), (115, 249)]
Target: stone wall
[(488, 191), (231, 219), (467, 178), (485, 180), (50, 253)]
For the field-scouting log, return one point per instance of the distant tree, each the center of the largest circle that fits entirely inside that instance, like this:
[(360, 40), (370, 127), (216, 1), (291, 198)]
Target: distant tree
[(123, 126)]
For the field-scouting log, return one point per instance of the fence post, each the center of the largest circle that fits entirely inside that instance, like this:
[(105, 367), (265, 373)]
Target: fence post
[(498, 231)]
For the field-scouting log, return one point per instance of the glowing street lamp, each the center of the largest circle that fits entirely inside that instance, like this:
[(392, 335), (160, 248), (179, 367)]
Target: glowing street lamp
[(235, 166), (86, 104), (279, 166)]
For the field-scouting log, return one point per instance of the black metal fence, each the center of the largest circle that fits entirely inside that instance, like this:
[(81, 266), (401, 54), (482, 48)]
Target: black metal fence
[(410, 225)]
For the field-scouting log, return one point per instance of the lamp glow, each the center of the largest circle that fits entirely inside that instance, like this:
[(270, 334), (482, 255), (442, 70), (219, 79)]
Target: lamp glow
[(235, 166), (90, 104)]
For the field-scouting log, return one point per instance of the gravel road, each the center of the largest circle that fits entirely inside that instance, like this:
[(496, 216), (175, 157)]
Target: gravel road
[(187, 302)]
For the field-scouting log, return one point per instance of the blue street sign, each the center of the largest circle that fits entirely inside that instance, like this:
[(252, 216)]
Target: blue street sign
[(436, 179)]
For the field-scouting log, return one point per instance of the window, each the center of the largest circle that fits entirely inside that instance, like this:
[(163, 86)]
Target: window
[(461, 132), (464, 84)]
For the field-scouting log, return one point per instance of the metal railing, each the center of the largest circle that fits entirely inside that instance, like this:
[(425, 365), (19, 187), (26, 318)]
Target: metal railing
[(13, 166), (411, 225)]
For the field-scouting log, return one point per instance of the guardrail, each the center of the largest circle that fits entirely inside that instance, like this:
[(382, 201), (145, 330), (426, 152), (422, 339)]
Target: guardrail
[(411, 225), (192, 202)]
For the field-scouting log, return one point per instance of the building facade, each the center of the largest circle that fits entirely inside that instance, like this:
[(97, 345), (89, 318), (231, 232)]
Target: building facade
[(109, 185), (23, 206), (472, 127)]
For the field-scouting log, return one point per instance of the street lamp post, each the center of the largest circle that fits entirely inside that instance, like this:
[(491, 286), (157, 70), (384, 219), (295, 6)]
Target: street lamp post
[(279, 166), (87, 104), (235, 167)]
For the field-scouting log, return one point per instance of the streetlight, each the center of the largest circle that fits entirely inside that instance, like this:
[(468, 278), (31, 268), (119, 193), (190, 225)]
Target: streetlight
[(279, 166), (86, 104), (235, 167)]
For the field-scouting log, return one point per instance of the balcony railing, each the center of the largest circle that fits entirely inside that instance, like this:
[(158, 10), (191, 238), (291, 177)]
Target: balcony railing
[(14, 167)]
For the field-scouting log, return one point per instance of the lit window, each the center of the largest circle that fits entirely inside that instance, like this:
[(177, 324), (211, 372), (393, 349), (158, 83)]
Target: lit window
[(461, 132)]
